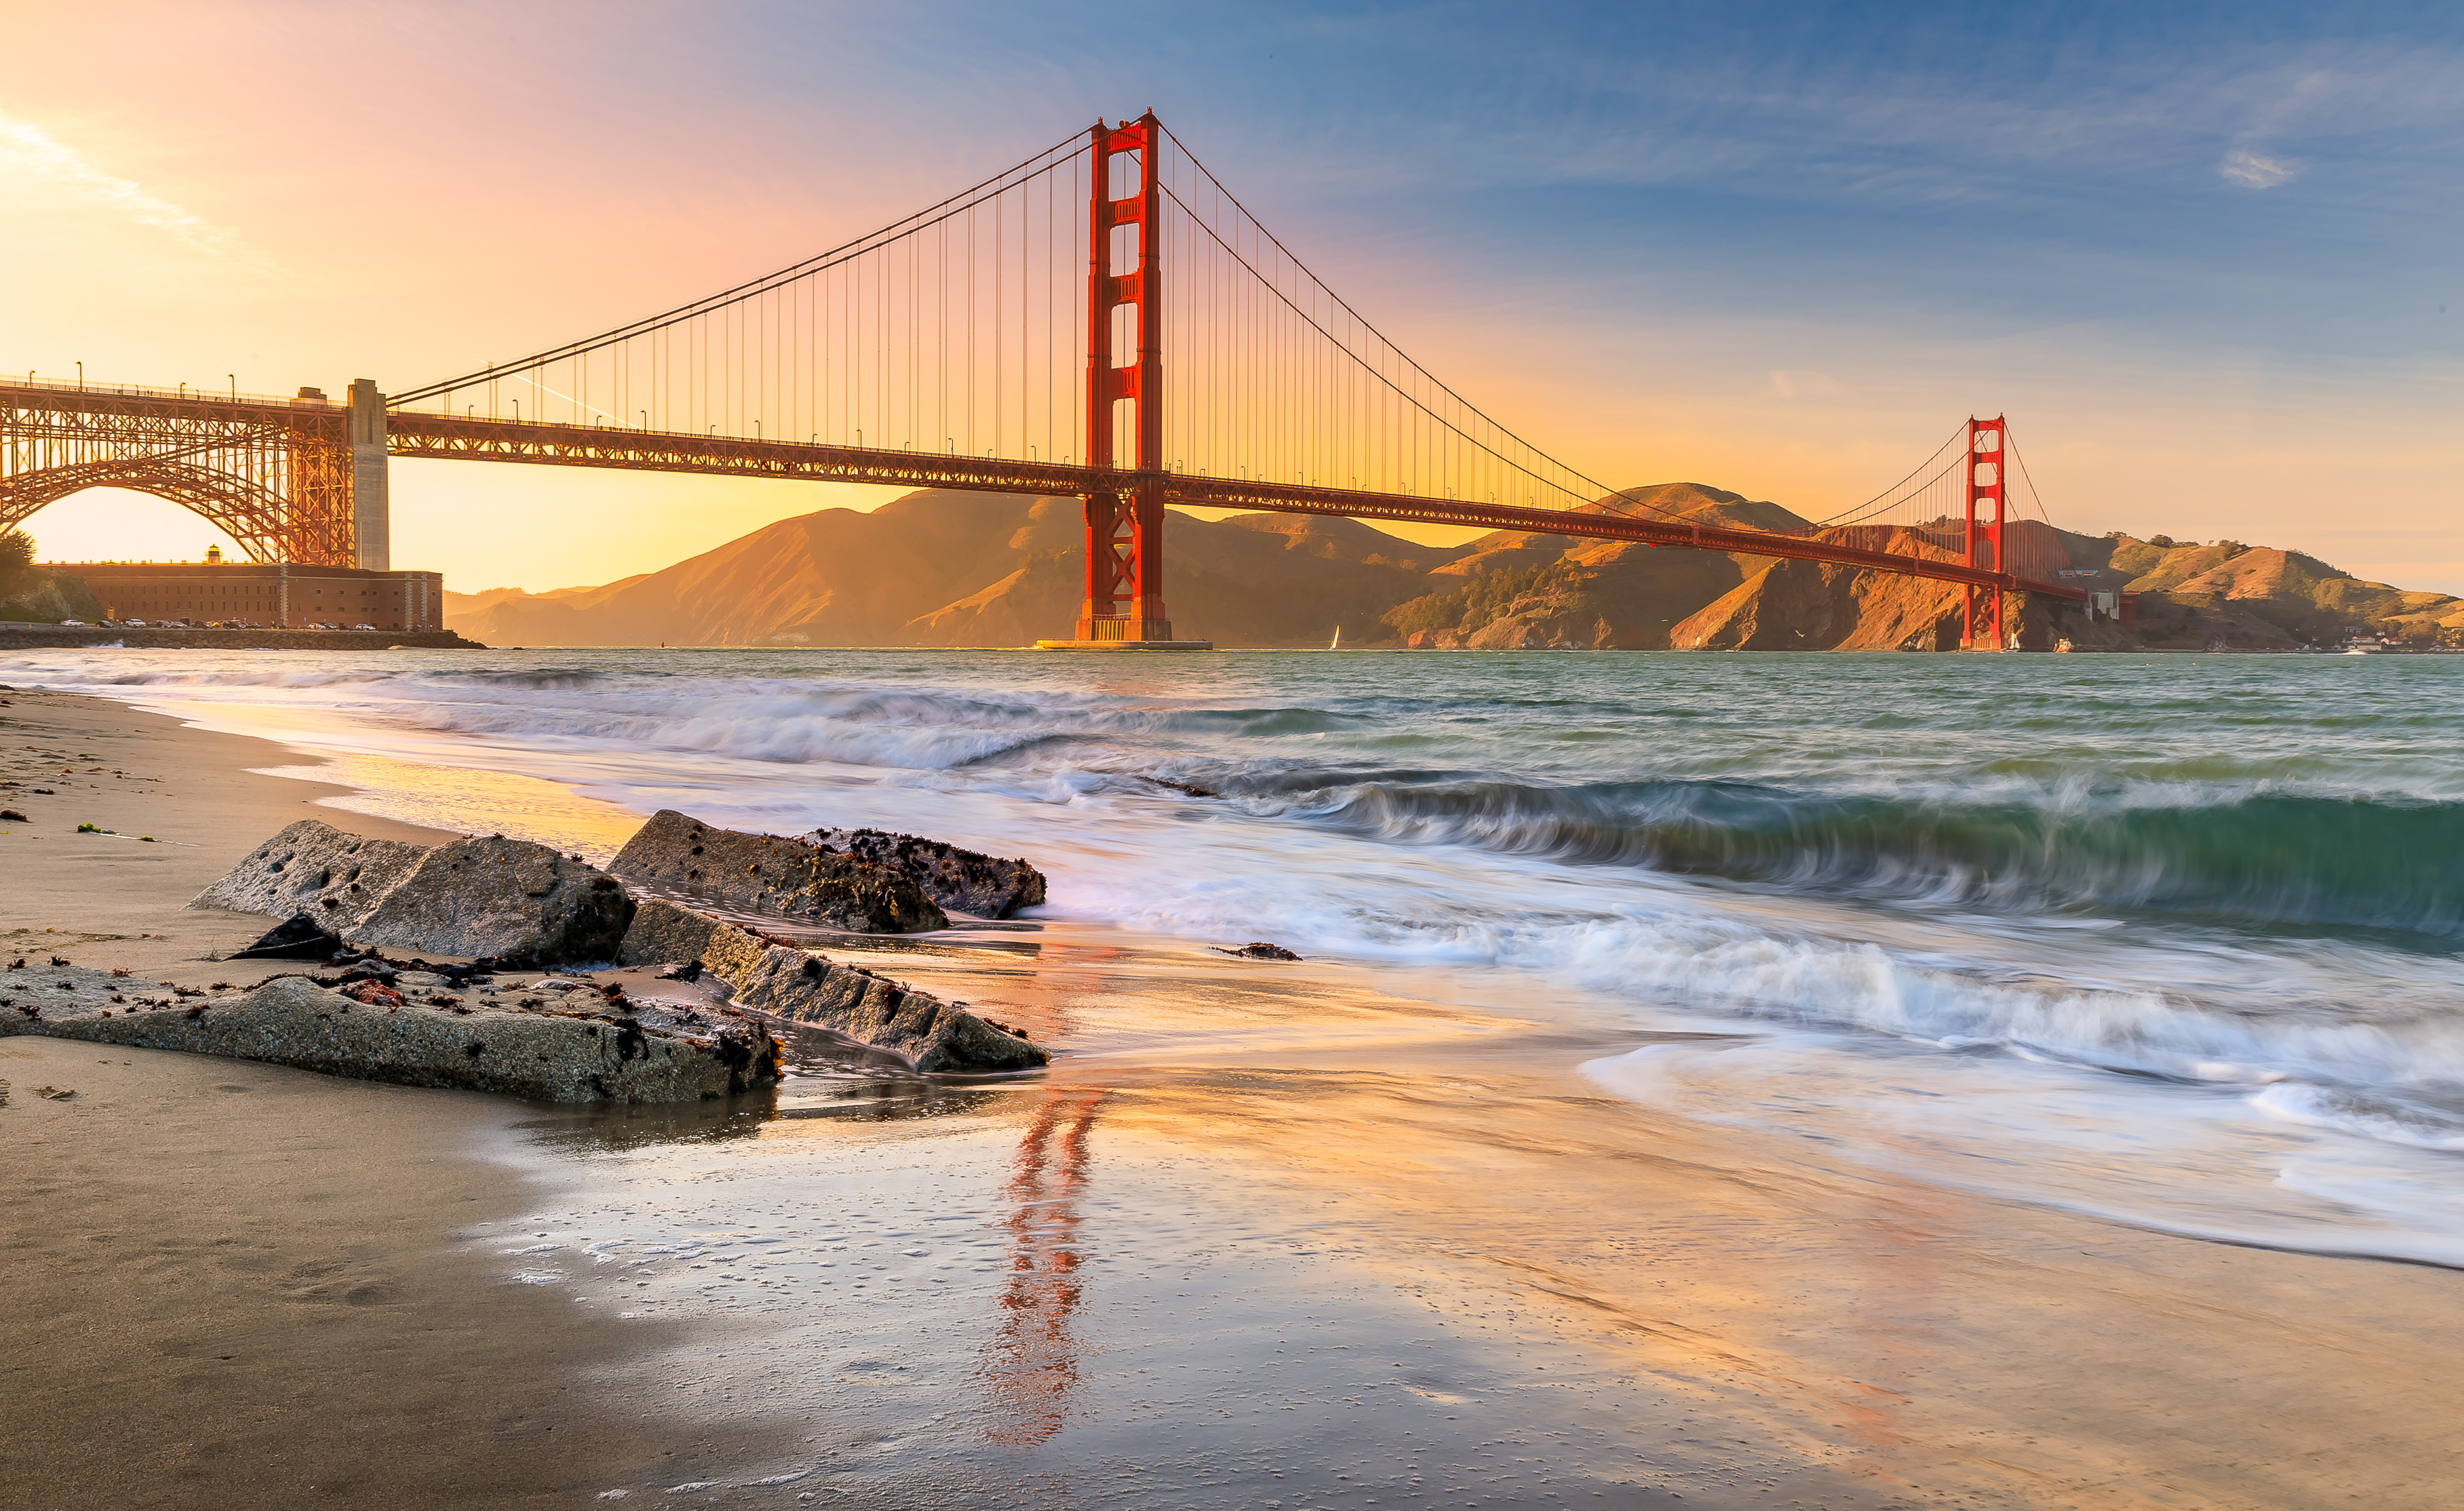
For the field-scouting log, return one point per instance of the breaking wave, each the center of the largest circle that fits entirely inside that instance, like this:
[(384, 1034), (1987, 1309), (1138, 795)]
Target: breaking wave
[(2259, 857)]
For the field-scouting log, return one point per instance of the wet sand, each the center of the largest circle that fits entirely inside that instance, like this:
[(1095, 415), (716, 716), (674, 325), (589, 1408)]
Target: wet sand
[(1264, 1236), (237, 1284)]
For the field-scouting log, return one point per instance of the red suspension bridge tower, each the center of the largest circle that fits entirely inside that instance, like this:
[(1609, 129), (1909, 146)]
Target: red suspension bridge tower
[(1988, 551), (1124, 604)]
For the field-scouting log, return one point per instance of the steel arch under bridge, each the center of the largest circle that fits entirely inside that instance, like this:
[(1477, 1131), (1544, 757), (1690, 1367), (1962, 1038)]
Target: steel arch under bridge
[(300, 480)]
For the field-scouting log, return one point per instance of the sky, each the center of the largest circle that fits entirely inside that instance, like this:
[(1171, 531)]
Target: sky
[(2205, 256)]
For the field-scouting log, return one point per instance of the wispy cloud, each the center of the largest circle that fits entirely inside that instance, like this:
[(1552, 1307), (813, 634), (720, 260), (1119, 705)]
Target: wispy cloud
[(2256, 169), (28, 152)]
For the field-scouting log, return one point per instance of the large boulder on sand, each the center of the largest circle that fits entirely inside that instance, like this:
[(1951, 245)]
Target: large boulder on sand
[(962, 881), (678, 856), (562, 1050), (519, 902), (933, 1035), (336, 877), (516, 900)]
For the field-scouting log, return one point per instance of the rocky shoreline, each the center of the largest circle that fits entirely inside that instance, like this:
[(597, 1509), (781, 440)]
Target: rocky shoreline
[(538, 1004)]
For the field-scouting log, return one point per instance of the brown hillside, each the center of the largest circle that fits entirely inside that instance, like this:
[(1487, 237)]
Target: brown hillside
[(2255, 597), (1817, 605), (458, 604), (834, 578), (1249, 580), (948, 568), (1811, 605), (1596, 594)]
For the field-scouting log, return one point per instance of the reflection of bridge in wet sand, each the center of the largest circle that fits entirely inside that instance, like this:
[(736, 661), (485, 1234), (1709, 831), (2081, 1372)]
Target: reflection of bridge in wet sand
[(1031, 1363)]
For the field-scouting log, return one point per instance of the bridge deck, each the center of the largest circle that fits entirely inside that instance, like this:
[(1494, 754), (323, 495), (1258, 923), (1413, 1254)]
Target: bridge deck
[(473, 439), (198, 415)]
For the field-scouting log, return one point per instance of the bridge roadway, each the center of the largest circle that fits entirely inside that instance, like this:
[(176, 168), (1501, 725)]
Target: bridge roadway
[(411, 433)]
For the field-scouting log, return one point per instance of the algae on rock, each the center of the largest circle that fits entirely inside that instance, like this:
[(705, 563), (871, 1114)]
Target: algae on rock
[(967, 881)]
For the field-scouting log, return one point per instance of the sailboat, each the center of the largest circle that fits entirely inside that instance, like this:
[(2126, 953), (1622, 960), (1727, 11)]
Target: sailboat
[(1336, 643)]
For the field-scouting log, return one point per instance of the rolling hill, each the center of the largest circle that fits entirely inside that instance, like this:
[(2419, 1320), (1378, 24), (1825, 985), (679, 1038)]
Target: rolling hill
[(949, 568)]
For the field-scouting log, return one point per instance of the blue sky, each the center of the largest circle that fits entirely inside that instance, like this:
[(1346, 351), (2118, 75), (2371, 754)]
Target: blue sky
[(2198, 252)]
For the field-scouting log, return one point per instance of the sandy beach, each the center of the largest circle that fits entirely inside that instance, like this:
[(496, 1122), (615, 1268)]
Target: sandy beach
[(1262, 1237), (235, 1282)]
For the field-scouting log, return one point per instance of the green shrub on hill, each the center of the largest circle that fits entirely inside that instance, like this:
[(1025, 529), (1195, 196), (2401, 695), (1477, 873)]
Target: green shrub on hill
[(1483, 597)]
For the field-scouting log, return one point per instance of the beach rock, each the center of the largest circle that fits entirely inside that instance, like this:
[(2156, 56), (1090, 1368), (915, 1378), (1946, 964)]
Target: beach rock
[(1257, 949), (334, 877), (668, 933), (933, 1036), (788, 878), (519, 902), (303, 938), (961, 881), (565, 1050)]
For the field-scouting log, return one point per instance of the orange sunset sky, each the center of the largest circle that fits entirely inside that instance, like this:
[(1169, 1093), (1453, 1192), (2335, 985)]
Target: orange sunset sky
[(2204, 265)]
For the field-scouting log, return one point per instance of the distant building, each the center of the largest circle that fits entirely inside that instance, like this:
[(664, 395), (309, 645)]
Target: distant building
[(276, 596)]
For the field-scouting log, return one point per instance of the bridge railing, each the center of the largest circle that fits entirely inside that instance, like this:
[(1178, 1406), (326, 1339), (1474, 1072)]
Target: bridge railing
[(185, 393)]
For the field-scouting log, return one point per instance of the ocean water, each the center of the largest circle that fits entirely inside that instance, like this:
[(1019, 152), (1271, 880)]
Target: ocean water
[(2169, 939)]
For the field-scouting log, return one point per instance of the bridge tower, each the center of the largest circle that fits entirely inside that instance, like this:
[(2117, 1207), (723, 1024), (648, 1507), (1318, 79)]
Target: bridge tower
[(1986, 451), (1124, 599)]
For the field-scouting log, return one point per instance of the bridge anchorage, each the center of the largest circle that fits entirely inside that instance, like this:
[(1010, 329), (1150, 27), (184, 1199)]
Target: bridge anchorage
[(1010, 338)]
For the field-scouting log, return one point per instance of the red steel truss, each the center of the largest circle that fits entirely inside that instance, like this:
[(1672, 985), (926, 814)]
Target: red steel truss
[(275, 475)]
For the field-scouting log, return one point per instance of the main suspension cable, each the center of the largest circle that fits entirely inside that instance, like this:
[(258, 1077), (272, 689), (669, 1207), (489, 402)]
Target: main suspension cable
[(1041, 162)]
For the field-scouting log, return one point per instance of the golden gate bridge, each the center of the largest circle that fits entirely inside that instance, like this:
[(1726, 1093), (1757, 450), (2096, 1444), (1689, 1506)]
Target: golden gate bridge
[(1103, 320)]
